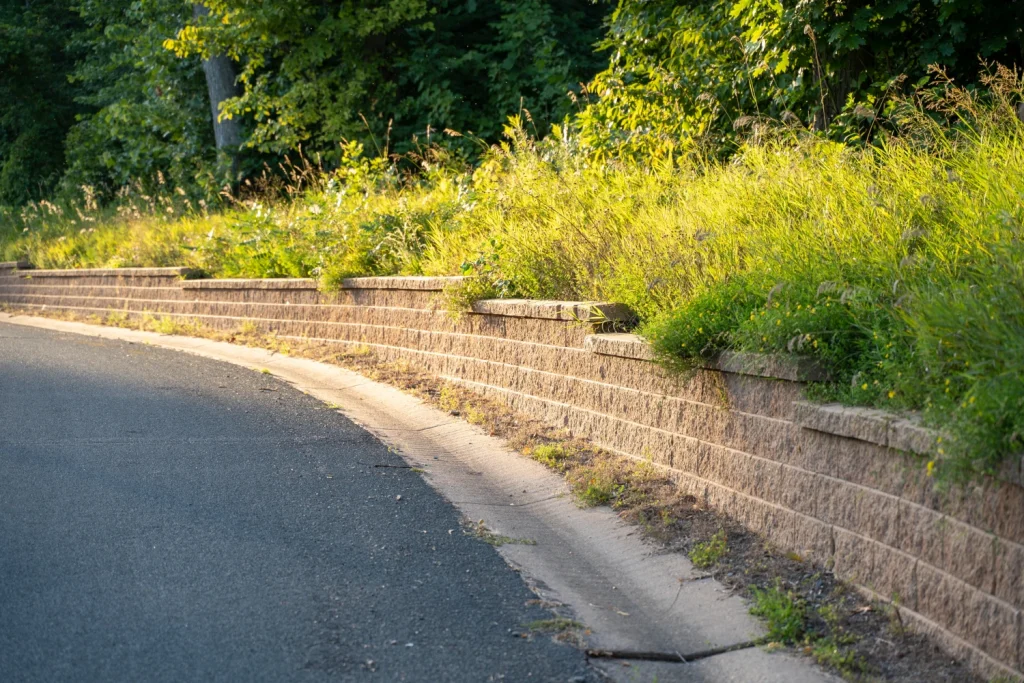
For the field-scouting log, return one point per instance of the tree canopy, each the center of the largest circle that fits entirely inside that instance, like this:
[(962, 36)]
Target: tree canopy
[(107, 94)]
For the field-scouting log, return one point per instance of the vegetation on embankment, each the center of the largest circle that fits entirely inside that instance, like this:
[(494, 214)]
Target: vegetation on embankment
[(900, 266)]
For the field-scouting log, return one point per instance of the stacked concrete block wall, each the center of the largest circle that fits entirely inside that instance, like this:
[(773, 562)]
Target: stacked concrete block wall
[(844, 487)]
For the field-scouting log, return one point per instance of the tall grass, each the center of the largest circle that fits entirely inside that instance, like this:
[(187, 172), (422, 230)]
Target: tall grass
[(901, 266)]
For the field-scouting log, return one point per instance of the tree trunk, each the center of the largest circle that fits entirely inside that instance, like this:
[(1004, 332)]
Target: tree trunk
[(220, 84)]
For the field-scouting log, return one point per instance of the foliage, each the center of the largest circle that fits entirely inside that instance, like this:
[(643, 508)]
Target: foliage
[(553, 455), (785, 614), (707, 554), (897, 266), (315, 74), (37, 104), (111, 94), (701, 73), (620, 483), (146, 115)]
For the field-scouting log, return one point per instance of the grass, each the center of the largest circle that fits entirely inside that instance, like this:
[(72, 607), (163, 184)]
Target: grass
[(900, 267), (449, 400)]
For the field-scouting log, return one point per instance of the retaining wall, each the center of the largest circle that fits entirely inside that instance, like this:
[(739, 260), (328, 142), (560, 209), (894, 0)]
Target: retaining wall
[(835, 485)]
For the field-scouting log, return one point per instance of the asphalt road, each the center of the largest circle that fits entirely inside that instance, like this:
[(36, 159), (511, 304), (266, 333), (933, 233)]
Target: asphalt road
[(167, 517)]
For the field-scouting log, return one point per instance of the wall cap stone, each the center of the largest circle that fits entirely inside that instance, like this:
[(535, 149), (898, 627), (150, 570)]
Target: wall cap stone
[(774, 366), (112, 272), (255, 283), (619, 344), (794, 369), (889, 430), (875, 426), (15, 265), (578, 311), (415, 282)]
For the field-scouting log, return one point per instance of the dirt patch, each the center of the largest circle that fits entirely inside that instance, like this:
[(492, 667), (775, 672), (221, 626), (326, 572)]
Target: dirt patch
[(804, 607)]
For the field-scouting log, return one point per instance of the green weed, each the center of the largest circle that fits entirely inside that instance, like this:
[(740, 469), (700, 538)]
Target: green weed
[(707, 554), (595, 486), (551, 454), (167, 324), (784, 614), (449, 400)]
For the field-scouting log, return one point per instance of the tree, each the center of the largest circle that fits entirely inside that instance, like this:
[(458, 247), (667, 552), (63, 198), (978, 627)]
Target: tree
[(687, 72), (147, 113), (37, 103), (315, 74)]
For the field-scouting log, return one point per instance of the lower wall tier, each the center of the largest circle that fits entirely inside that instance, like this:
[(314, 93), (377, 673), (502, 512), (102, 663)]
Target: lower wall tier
[(952, 560)]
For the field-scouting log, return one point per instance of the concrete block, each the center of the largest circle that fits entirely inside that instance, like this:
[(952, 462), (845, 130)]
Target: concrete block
[(1008, 576), (618, 344), (979, 618), (777, 366), (833, 418), (859, 509), (884, 570)]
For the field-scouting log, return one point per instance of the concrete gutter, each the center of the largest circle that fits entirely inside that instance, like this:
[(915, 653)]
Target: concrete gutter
[(633, 598)]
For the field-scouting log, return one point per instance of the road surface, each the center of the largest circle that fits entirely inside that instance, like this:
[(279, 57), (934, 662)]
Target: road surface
[(168, 517)]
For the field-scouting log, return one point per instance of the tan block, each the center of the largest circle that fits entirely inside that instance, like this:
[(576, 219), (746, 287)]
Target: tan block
[(911, 437), (38, 277), (853, 558), (894, 574), (416, 282), (763, 436), (971, 503), (979, 618), (959, 649), (124, 291), (809, 538), (882, 569), (922, 533), (699, 420), (572, 311), (1008, 577), (174, 272), (761, 396), (1020, 644), (619, 344), (788, 487), (1006, 511), (753, 513), (969, 555), (867, 464), (692, 456), (253, 285), (858, 509), (732, 469), (833, 418)]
